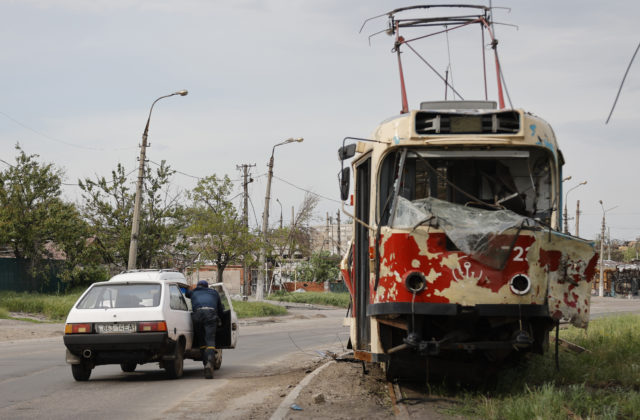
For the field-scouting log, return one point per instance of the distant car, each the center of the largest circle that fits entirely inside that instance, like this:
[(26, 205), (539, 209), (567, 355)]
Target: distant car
[(138, 317)]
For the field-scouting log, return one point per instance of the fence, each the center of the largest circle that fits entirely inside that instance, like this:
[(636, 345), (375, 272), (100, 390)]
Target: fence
[(15, 276)]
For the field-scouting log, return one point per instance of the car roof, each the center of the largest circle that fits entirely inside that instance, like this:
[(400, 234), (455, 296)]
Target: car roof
[(149, 275)]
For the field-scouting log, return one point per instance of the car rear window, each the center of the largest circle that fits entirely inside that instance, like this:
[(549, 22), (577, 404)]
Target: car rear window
[(121, 296)]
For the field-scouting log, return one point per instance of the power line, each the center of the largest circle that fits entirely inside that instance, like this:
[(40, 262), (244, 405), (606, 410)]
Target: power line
[(308, 191), (46, 136), (254, 211), (180, 172), (66, 183)]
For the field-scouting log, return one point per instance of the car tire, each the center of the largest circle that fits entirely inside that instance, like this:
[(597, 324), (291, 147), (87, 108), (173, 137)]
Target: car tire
[(128, 366), (175, 367), (81, 372), (217, 359)]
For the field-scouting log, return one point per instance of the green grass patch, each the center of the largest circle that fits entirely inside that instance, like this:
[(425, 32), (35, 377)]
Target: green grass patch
[(340, 300), (54, 307), (601, 384), (4, 313), (257, 309)]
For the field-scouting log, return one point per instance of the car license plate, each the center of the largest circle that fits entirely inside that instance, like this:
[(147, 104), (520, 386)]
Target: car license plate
[(127, 327)]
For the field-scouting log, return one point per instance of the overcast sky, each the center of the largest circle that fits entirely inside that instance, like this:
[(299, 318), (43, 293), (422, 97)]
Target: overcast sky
[(78, 78)]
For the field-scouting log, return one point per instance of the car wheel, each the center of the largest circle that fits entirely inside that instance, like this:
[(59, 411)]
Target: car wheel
[(175, 367), (81, 372), (128, 366), (217, 359)]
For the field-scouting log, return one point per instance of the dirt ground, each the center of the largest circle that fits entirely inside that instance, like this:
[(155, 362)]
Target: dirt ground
[(344, 391), (12, 330)]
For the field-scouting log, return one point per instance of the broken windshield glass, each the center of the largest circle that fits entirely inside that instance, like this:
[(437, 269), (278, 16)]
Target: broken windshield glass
[(486, 235), (513, 179)]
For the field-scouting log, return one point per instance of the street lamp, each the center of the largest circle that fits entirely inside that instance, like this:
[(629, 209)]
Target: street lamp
[(265, 220), (280, 204), (566, 214), (601, 285), (135, 226)]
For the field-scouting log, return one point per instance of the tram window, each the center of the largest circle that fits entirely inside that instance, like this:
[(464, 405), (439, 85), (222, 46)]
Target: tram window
[(518, 183)]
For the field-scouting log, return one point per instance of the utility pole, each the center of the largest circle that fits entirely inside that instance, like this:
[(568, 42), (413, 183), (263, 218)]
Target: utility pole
[(135, 224), (327, 238), (246, 180), (262, 258), (601, 285), (339, 239), (578, 218)]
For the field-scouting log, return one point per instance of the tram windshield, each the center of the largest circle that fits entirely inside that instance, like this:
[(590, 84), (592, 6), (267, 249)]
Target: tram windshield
[(515, 180), (481, 199)]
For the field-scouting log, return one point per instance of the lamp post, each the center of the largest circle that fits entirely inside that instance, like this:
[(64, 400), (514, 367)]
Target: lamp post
[(601, 284), (265, 221), (566, 214), (135, 225), (280, 204)]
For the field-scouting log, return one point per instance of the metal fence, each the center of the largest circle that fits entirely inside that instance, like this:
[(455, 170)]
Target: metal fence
[(15, 276)]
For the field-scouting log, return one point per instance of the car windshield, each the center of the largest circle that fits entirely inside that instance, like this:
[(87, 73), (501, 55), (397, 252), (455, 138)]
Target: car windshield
[(121, 296)]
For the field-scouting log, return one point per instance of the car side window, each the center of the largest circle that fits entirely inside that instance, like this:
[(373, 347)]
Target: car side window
[(176, 300)]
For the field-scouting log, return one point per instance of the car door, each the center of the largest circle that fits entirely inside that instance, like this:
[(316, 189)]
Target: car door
[(227, 334), (178, 315)]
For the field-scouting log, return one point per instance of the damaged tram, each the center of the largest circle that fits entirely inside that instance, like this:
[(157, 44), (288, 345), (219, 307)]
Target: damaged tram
[(457, 256)]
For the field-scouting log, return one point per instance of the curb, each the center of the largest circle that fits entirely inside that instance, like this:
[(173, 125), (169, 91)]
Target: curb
[(283, 408)]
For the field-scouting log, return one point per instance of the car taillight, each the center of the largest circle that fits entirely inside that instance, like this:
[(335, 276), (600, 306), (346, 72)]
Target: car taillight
[(77, 328), (153, 326)]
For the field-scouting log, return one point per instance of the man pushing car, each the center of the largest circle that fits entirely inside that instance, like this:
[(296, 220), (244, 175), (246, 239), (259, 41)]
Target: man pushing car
[(207, 312)]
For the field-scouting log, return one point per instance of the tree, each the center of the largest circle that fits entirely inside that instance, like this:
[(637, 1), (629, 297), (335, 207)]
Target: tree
[(35, 222), (109, 209), (322, 266), (297, 237), (216, 230)]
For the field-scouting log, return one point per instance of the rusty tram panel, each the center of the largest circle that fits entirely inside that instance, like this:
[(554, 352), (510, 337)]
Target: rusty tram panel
[(457, 251)]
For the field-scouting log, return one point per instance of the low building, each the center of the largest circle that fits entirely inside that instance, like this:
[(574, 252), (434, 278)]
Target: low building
[(231, 277)]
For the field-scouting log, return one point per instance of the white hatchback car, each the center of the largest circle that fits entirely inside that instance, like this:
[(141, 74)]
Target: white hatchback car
[(137, 317)]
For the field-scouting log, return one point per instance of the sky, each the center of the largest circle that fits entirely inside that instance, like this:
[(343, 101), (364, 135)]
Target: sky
[(78, 78)]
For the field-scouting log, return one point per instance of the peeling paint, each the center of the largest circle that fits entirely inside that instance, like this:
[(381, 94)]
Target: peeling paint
[(559, 267)]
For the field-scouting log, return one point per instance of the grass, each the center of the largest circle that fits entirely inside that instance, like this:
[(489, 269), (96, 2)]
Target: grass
[(602, 384), (340, 300), (257, 309), (56, 307)]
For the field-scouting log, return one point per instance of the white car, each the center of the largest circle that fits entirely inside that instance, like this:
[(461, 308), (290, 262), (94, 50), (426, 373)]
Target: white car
[(137, 317)]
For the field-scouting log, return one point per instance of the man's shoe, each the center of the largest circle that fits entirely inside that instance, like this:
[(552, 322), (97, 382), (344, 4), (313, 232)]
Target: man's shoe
[(208, 371)]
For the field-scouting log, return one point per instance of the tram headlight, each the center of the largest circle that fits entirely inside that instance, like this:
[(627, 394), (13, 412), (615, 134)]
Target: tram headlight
[(520, 284), (415, 282)]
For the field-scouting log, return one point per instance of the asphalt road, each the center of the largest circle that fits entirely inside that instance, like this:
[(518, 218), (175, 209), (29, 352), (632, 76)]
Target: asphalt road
[(35, 381)]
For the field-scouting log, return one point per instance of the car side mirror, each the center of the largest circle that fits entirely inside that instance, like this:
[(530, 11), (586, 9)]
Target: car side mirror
[(346, 152), (344, 183)]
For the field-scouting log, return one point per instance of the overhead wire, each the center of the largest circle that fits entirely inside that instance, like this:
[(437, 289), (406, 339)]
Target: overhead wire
[(307, 191), (622, 83), (46, 136)]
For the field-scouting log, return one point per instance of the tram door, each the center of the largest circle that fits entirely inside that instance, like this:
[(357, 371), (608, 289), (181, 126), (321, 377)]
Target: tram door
[(362, 204)]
